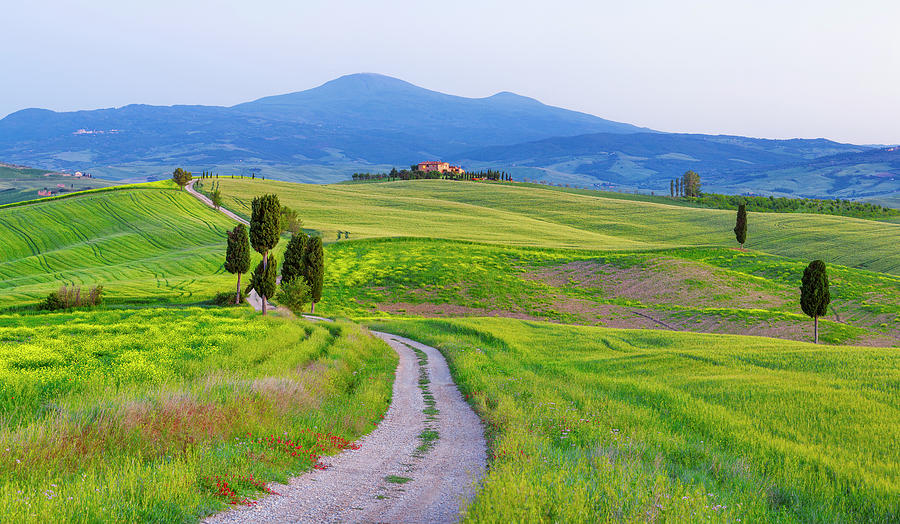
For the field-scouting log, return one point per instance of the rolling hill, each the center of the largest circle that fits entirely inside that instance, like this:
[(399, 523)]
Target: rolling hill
[(532, 216), (20, 183), (149, 244), (186, 401)]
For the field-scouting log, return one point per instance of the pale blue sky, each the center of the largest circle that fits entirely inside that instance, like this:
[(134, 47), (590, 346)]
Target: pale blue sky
[(760, 68)]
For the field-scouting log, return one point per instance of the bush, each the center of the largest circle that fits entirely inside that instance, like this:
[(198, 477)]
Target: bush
[(70, 296), (226, 298), (294, 295)]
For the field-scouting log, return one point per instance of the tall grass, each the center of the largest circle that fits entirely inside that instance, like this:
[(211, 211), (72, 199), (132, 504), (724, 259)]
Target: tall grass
[(591, 424), (163, 415)]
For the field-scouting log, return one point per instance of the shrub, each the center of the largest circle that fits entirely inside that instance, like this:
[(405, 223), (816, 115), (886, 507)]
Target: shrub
[(67, 297), (294, 295), (226, 298)]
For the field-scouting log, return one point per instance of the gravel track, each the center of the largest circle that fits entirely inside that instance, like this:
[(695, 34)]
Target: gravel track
[(354, 487)]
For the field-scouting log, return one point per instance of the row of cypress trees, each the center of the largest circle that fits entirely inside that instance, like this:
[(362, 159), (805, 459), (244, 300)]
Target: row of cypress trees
[(814, 291), (304, 256)]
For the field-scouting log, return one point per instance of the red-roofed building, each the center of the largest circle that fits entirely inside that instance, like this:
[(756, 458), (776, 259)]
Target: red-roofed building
[(440, 167)]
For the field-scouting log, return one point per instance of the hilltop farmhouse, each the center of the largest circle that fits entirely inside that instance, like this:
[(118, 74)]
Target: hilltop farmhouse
[(440, 167)]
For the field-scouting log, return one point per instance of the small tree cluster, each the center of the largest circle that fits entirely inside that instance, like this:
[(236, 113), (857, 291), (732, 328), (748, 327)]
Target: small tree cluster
[(686, 186), (304, 262), (290, 221), (181, 177)]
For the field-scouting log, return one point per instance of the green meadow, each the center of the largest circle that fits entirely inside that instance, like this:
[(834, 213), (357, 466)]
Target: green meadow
[(140, 244), (595, 424), (139, 409), (528, 216), (139, 415), (689, 289)]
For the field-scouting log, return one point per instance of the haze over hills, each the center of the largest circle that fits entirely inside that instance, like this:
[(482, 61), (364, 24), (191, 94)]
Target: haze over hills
[(370, 122), (728, 164)]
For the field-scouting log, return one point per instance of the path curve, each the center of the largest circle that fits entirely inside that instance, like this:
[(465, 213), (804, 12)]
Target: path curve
[(253, 297), (354, 487), (443, 477), (208, 202)]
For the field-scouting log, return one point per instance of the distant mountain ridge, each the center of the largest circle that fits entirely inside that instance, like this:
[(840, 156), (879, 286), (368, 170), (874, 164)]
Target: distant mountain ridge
[(362, 119), (370, 122), (728, 164)]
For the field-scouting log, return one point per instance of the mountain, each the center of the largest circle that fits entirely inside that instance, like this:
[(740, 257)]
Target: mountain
[(730, 164), (357, 121), (375, 102), (370, 122)]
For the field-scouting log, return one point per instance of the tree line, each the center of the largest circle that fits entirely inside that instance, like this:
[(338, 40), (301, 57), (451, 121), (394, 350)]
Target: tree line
[(415, 174), (303, 270), (688, 187)]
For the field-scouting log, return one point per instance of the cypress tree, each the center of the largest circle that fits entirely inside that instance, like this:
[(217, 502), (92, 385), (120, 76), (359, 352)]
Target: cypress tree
[(293, 257), (237, 256), (671, 188), (314, 269), (265, 227), (740, 228), (814, 293), (263, 279)]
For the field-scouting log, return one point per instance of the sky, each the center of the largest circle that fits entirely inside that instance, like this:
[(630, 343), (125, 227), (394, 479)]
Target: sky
[(776, 69)]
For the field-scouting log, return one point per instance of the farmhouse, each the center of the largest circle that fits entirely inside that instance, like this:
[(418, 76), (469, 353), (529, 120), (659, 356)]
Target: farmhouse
[(440, 167)]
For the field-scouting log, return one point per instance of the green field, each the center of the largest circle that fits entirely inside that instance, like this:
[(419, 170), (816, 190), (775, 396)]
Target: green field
[(594, 424), (131, 412), (18, 184), (526, 216), (140, 244), (132, 415), (690, 289)]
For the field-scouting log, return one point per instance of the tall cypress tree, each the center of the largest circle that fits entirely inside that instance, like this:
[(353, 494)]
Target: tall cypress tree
[(237, 256), (740, 227), (264, 278), (314, 269), (265, 227), (814, 293), (293, 257)]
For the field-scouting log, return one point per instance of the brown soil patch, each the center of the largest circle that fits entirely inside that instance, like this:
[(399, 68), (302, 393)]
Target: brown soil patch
[(662, 280)]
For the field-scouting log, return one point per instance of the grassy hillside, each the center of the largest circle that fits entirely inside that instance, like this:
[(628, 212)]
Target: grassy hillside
[(145, 415), (511, 215), (145, 244), (689, 289), (593, 424), (18, 184)]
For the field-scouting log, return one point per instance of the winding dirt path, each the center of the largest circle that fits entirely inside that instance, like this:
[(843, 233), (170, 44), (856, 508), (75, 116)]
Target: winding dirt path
[(395, 476), (423, 462)]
